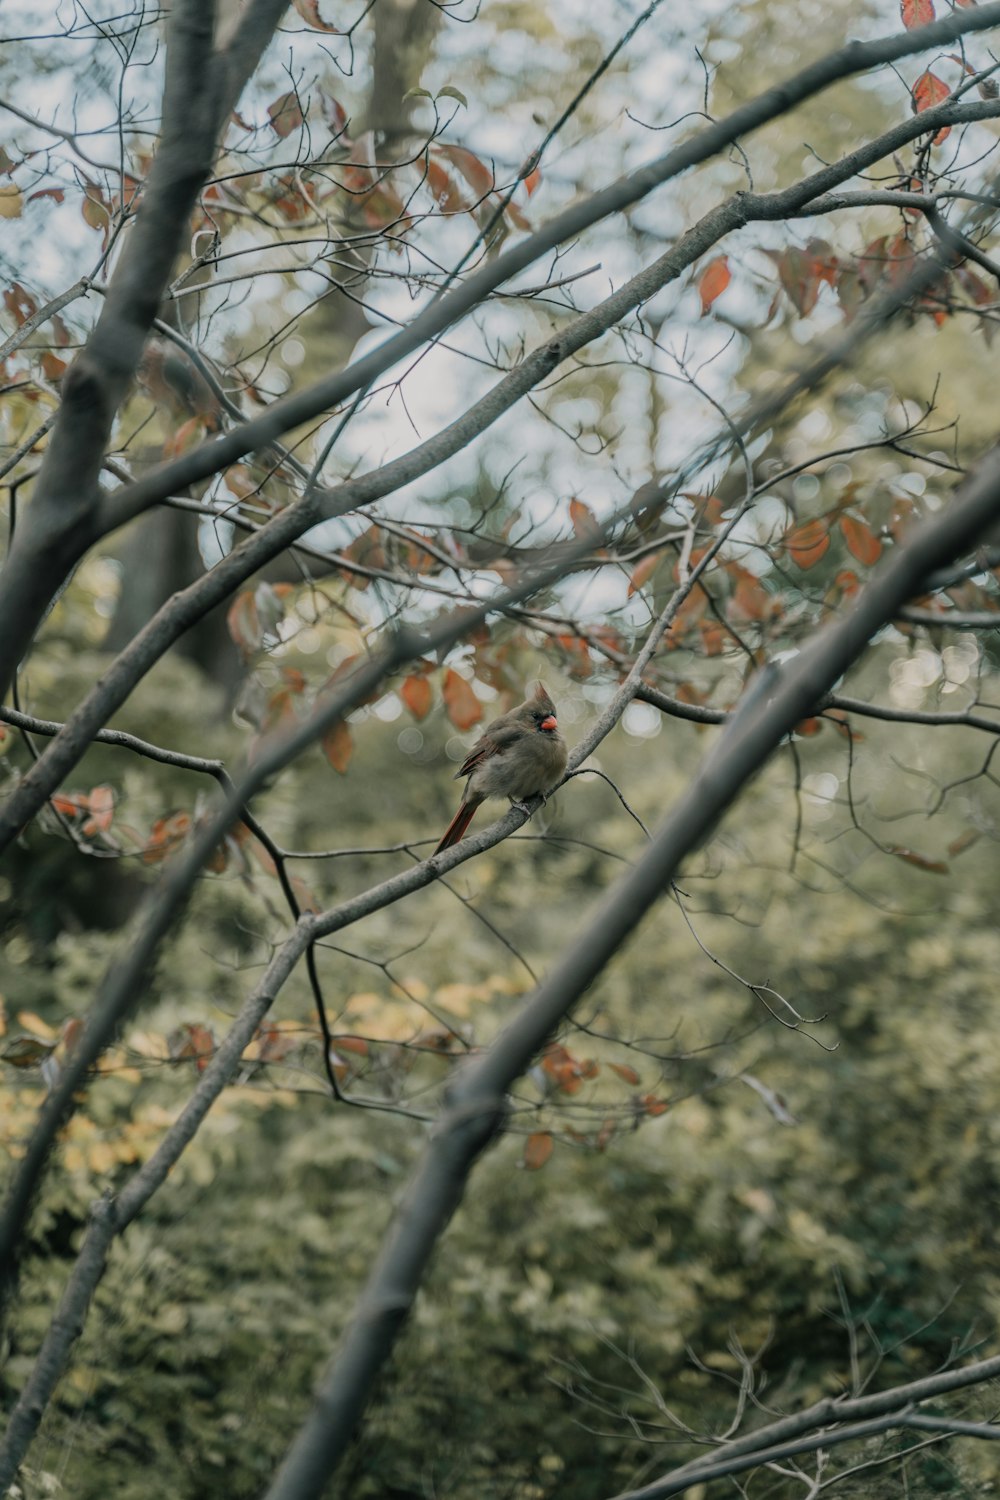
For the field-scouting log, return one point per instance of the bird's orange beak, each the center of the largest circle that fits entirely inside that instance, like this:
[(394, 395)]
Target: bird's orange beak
[(549, 723)]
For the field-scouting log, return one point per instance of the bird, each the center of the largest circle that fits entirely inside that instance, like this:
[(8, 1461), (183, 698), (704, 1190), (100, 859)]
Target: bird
[(521, 754)]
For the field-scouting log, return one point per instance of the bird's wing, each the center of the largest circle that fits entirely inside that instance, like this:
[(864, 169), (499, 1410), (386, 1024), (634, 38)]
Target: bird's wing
[(494, 742)]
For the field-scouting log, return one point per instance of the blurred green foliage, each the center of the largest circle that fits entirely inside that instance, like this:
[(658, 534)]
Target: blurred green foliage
[(563, 1298)]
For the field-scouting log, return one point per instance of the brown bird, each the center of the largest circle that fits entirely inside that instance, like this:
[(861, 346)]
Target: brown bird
[(521, 754)]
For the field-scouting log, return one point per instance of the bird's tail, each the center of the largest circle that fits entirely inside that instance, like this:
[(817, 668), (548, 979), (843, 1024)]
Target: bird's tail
[(459, 823)]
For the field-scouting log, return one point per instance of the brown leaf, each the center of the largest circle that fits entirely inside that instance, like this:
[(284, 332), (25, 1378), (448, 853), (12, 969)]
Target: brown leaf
[(807, 543), (285, 114), (192, 1040), (243, 623), (479, 177), (653, 1106), (862, 542), (443, 189), (463, 707), (713, 281), (20, 304), (629, 1075), (416, 694), (537, 1150), (25, 1051), (933, 866), (808, 727), (964, 841), (338, 746), (584, 522)]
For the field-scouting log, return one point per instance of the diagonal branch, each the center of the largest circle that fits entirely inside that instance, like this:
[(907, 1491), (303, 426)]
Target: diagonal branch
[(778, 698)]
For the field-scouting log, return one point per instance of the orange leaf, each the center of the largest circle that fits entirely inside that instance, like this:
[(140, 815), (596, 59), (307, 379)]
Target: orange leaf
[(537, 1150), (337, 746), (808, 727), (53, 368), (309, 11), (584, 522), (69, 803), (713, 281), (643, 572), (463, 707), (916, 13), (629, 1075), (933, 866), (928, 91), (243, 622), (416, 694), (653, 1106), (807, 543), (532, 181), (861, 541), (165, 836), (102, 810)]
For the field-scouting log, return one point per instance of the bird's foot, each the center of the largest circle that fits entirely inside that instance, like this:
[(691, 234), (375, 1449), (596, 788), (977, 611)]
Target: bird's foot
[(521, 806)]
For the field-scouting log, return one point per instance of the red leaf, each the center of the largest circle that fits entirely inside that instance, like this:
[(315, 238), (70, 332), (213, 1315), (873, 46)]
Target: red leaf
[(532, 181), (928, 91), (916, 13), (338, 746), (653, 1106), (713, 281), (861, 541), (416, 694), (537, 1150), (808, 727), (807, 543), (463, 707), (285, 114)]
